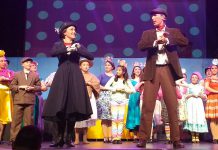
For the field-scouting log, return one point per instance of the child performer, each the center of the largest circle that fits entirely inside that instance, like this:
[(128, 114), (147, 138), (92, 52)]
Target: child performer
[(196, 122), (93, 88), (120, 86)]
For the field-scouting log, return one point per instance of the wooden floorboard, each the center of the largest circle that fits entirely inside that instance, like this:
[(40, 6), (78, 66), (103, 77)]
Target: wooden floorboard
[(126, 145)]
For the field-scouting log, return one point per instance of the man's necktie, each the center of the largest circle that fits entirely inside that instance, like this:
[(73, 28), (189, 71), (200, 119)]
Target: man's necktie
[(26, 74)]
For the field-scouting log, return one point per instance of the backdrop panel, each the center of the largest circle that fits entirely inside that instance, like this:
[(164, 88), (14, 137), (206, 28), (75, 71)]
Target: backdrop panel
[(111, 27)]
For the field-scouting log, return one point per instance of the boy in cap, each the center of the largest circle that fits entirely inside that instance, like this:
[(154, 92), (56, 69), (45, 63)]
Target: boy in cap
[(162, 69), (24, 85)]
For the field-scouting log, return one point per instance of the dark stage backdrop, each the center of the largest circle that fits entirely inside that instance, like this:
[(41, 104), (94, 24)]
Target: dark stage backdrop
[(12, 27), (112, 27)]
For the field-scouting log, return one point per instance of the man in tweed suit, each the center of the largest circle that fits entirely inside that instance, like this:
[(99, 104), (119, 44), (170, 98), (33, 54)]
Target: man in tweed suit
[(162, 69), (24, 85)]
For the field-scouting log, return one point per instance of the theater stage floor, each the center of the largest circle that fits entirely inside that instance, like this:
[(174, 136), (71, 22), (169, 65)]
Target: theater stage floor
[(128, 146)]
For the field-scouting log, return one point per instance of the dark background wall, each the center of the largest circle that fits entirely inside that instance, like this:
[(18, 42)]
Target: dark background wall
[(13, 20), (212, 28), (12, 26)]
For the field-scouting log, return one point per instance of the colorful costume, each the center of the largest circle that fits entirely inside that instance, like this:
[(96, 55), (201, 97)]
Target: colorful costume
[(196, 121), (5, 97), (133, 115)]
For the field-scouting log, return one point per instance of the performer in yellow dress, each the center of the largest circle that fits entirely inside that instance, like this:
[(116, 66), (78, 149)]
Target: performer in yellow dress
[(5, 93)]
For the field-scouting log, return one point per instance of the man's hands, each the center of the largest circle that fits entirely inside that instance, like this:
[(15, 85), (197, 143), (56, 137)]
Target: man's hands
[(162, 40), (26, 87)]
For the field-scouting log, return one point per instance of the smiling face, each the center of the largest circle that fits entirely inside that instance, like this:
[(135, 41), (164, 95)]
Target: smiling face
[(70, 33), (120, 72), (194, 79), (84, 66), (214, 70), (3, 63), (108, 67), (137, 71), (27, 65), (208, 73), (33, 67)]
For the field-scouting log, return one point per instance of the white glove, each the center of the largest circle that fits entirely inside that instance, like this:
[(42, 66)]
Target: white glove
[(73, 48), (75, 45)]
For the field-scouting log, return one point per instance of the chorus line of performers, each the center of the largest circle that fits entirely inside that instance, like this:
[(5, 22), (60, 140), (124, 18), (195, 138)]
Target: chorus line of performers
[(109, 94)]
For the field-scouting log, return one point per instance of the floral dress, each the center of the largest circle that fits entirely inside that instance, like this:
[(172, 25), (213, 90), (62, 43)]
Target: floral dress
[(104, 101)]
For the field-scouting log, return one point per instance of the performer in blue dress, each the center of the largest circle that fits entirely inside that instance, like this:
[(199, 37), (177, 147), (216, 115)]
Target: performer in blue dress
[(133, 116)]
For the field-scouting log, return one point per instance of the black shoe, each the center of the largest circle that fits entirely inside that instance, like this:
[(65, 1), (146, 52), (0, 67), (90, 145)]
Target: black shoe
[(58, 144), (61, 143), (168, 142), (119, 142), (70, 145), (114, 142), (11, 143), (141, 143), (150, 141), (215, 141), (1, 142), (177, 145), (53, 145), (135, 140), (109, 141)]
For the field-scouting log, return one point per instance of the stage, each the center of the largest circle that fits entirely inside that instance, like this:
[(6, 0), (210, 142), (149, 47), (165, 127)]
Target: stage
[(127, 145)]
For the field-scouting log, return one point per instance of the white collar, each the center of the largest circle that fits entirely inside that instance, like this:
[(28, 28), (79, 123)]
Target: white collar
[(26, 71)]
